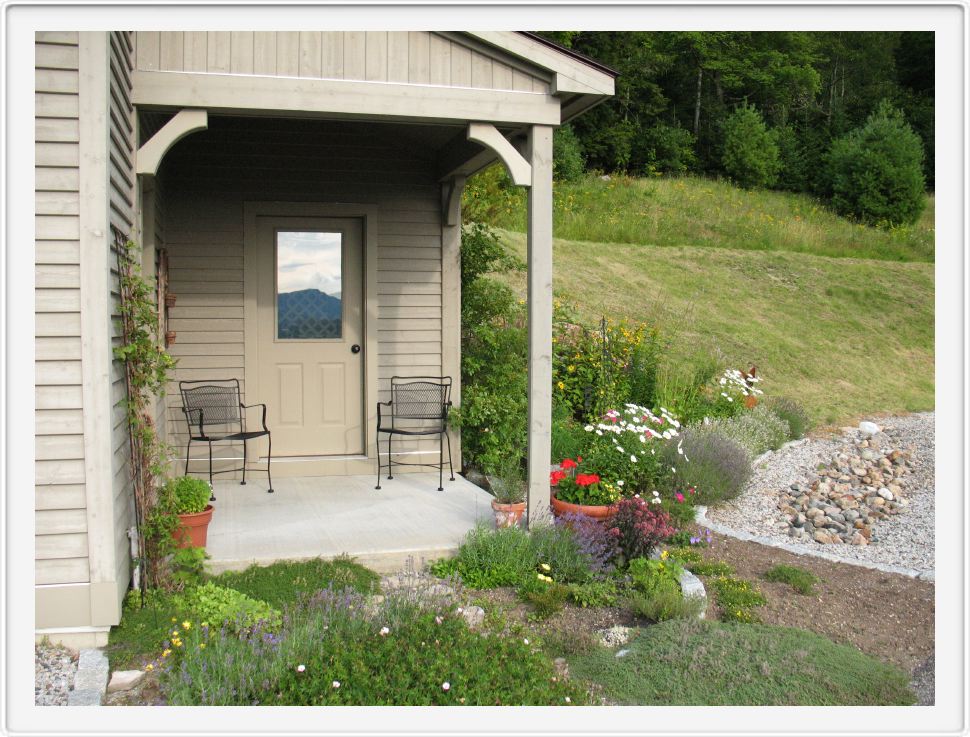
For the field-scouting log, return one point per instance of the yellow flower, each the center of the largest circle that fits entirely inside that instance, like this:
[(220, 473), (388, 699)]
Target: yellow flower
[(166, 652), (664, 555), (545, 567), (205, 624), (177, 643), (174, 619), (561, 386), (149, 667), (175, 633), (201, 646), (570, 368), (187, 625)]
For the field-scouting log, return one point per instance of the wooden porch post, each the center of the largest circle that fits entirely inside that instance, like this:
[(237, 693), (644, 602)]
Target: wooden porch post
[(540, 321)]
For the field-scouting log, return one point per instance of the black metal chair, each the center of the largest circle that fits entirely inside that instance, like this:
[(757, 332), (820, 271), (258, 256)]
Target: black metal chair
[(212, 409), (421, 403)]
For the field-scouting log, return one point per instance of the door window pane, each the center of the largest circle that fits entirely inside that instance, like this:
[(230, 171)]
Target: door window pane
[(308, 286)]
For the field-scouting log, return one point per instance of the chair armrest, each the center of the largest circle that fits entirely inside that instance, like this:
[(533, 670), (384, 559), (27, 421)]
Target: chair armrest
[(188, 418), (379, 414), (250, 406)]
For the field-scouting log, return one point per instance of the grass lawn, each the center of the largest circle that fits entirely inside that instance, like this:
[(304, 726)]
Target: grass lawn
[(692, 211), (693, 662), (842, 336)]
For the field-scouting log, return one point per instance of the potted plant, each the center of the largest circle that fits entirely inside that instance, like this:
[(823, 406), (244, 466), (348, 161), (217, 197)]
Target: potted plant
[(189, 500), (575, 491), (508, 487)]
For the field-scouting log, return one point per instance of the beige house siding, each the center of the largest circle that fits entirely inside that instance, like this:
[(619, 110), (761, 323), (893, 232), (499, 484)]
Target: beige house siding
[(121, 207), (61, 520), (409, 57), (210, 175)]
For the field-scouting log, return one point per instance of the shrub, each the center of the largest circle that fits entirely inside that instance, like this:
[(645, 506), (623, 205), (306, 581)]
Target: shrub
[(490, 195), (791, 412), (286, 582), (568, 436), (798, 578), (489, 558), (756, 431), (663, 605), (736, 598), (568, 163), (651, 575), (546, 597), (718, 466), (750, 152), (594, 593), (188, 566), (875, 172), (668, 149), (187, 494), (338, 651), (638, 528), (221, 605)]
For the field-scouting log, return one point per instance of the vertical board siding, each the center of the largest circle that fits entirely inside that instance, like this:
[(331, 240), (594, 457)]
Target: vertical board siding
[(211, 174), (121, 204), (58, 433), (403, 57)]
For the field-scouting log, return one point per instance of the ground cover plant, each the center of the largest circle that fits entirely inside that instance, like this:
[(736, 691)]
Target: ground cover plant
[(799, 579), (340, 650), (696, 662), (258, 592)]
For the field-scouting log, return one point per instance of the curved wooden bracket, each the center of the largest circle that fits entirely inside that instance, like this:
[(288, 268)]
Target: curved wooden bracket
[(451, 200), (486, 134), (149, 156)]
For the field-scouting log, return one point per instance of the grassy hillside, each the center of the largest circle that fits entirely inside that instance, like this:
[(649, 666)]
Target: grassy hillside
[(842, 336), (690, 211)]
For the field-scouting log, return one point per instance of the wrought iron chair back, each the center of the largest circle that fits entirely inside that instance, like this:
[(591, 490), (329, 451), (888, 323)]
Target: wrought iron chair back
[(214, 412), (422, 403)]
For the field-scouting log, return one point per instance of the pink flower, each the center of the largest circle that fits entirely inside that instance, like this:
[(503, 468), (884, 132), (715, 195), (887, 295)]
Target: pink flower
[(679, 497)]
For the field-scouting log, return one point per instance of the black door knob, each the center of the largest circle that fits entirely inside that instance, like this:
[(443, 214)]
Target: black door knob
[(355, 348)]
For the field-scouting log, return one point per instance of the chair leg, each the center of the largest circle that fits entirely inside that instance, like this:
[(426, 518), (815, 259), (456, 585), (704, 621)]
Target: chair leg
[(378, 461), (269, 462), (390, 471), (450, 466), (212, 497), (441, 460), (188, 448), (245, 459)]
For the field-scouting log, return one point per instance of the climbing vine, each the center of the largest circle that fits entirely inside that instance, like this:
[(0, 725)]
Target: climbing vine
[(147, 368)]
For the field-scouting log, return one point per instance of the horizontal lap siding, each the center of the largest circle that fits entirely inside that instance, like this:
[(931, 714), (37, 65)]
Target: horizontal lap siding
[(59, 498), (398, 57), (204, 236), (121, 199)]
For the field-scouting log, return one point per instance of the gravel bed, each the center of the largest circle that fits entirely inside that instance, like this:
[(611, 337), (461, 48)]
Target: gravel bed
[(924, 682), (905, 540), (54, 669)]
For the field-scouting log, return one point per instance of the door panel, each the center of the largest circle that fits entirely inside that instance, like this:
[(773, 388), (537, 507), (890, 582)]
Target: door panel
[(309, 315)]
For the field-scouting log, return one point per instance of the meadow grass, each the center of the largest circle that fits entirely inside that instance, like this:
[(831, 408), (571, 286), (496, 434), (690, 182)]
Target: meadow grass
[(693, 662), (844, 337), (693, 211)]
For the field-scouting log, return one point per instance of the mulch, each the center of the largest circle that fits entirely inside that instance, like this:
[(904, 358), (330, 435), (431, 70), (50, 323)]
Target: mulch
[(885, 615)]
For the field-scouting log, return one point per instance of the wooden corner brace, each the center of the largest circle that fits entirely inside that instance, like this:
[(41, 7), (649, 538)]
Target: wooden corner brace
[(150, 156), (486, 134)]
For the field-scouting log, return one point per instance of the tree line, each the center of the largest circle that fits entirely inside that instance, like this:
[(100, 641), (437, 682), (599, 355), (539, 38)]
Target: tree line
[(679, 94)]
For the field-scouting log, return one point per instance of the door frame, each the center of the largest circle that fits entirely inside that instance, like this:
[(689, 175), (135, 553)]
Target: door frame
[(368, 215)]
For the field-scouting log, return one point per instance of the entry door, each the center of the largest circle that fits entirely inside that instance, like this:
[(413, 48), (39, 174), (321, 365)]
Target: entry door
[(310, 333)]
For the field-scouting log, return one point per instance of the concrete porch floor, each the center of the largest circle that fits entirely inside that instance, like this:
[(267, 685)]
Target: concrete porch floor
[(326, 516)]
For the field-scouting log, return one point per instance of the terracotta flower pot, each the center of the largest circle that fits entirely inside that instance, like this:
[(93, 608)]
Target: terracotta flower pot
[(170, 300), (601, 512), (194, 528), (508, 515), (170, 337)]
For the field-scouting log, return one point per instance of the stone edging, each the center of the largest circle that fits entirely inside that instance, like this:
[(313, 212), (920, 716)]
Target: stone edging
[(91, 679), (701, 519), (691, 585)]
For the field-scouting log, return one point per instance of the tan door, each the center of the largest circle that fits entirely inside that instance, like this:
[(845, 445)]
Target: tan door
[(309, 334)]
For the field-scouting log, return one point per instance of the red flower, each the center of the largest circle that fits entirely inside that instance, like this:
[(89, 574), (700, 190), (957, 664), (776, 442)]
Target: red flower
[(587, 479), (568, 463), (579, 458), (555, 477)]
